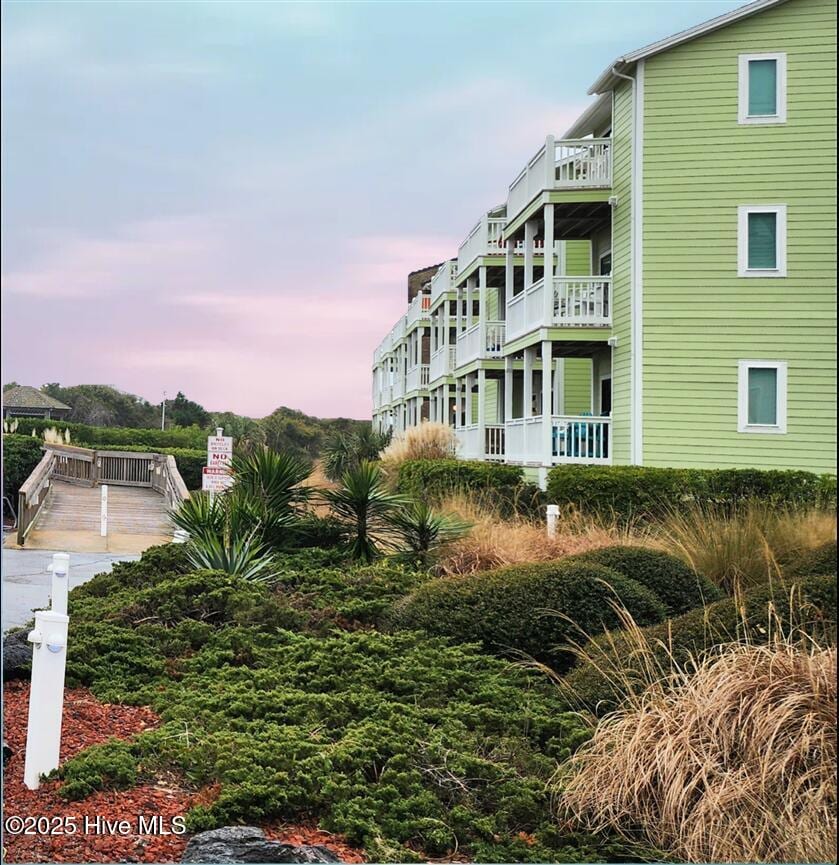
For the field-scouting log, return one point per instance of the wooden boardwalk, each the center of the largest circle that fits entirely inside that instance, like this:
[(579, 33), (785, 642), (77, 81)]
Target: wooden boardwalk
[(70, 520)]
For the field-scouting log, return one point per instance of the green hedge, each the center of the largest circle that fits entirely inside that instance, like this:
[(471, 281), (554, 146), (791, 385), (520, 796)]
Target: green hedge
[(432, 480), (533, 609), (85, 435), (816, 563), (20, 455), (633, 491), (813, 610), (678, 586)]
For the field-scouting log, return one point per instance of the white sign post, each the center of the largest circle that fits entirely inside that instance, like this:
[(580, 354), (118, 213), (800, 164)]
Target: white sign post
[(553, 517), (103, 515), (46, 692)]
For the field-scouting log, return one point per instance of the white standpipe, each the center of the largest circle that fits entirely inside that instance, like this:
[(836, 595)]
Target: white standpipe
[(46, 695), (103, 514), (553, 518), (60, 568)]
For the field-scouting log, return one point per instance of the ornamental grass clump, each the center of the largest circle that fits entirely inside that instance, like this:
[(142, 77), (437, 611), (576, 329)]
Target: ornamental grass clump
[(752, 544), (728, 759), (427, 441)]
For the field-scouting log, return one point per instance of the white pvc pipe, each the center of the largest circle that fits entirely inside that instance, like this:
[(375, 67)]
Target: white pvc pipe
[(553, 518), (103, 517), (46, 695)]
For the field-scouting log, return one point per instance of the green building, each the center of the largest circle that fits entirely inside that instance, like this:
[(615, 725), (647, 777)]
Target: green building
[(687, 313)]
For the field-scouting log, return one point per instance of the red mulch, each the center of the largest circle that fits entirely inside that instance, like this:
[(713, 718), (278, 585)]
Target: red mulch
[(89, 722)]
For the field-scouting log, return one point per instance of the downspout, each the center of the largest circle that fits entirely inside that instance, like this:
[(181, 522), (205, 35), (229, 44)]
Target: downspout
[(636, 271)]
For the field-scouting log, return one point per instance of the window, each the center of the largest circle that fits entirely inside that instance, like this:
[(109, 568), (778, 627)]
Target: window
[(762, 240), (762, 396), (762, 88)]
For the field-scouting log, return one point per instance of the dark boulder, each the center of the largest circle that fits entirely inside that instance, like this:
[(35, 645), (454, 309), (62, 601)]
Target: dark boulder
[(17, 655), (249, 844)]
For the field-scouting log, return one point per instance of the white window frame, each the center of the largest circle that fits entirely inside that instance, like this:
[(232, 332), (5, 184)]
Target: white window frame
[(743, 211), (743, 116), (743, 425)]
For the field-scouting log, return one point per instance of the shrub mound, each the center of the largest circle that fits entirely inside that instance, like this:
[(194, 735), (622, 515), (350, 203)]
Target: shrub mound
[(532, 609), (86, 435), (614, 663), (630, 492), (433, 480), (816, 563), (20, 456), (406, 744), (675, 583)]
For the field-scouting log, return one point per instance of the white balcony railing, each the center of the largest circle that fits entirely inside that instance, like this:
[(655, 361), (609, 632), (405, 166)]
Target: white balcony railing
[(561, 164), (477, 342), (442, 362), (418, 310), (416, 378), (578, 301), (471, 445), (574, 439), (485, 239), (443, 281), (398, 387)]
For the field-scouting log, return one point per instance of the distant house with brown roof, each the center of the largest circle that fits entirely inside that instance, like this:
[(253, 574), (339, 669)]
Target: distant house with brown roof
[(418, 279), (25, 401)]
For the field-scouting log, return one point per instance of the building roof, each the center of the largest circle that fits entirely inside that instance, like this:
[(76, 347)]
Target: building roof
[(418, 278), (24, 396), (608, 78)]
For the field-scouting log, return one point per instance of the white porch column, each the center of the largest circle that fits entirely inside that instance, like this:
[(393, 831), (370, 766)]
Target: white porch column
[(529, 236), (470, 299), (481, 413), (458, 310), (548, 293), (509, 277), (483, 306), (508, 388), (470, 380), (559, 386), (527, 397), (547, 411)]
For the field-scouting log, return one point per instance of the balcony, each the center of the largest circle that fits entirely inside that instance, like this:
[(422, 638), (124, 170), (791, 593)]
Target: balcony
[(397, 389), (578, 301), (418, 310), (397, 333), (417, 378), (480, 342), (574, 439), (443, 281), (470, 446), (442, 362), (584, 163)]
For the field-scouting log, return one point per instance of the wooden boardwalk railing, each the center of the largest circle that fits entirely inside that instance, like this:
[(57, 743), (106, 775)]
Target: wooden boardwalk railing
[(88, 467)]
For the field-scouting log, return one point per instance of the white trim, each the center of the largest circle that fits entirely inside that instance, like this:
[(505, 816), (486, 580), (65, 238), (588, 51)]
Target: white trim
[(637, 282), (743, 425), (607, 77), (780, 211), (780, 115)]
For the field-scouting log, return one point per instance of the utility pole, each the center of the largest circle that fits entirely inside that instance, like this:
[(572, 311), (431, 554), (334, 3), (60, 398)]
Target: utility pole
[(163, 412)]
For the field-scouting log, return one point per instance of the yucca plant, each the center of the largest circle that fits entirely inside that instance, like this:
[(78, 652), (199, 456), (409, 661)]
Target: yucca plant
[(345, 451), (200, 515), (363, 503), (243, 556), (423, 531)]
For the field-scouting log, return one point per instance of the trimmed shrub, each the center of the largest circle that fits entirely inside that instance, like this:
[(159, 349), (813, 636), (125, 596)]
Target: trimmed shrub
[(630, 492), (532, 609), (20, 456), (601, 680), (678, 586), (432, 480), (815, 563)]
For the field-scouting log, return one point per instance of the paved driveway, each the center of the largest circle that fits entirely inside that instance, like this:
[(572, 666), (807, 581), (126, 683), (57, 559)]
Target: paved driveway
[(26, 581)]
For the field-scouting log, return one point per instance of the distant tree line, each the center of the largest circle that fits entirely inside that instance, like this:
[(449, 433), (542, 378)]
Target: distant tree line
[(285, 429)]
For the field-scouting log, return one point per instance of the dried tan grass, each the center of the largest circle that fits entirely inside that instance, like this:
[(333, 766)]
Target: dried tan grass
[(495, 541), (747, 547), (732, 759), (428, 441)]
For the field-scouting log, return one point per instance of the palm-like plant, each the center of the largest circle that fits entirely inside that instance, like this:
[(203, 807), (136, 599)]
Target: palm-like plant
[(364, 504), (345, 451), (243, 556), (200, 515), (423, 531)]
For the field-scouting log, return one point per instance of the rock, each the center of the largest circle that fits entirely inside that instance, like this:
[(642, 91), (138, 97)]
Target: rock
[(17, 655), (7, 752), (249, 844)]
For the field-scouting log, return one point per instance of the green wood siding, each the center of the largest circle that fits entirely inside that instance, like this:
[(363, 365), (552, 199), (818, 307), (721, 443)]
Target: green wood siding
[(577, 385), (700, 318), (577, 257)]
